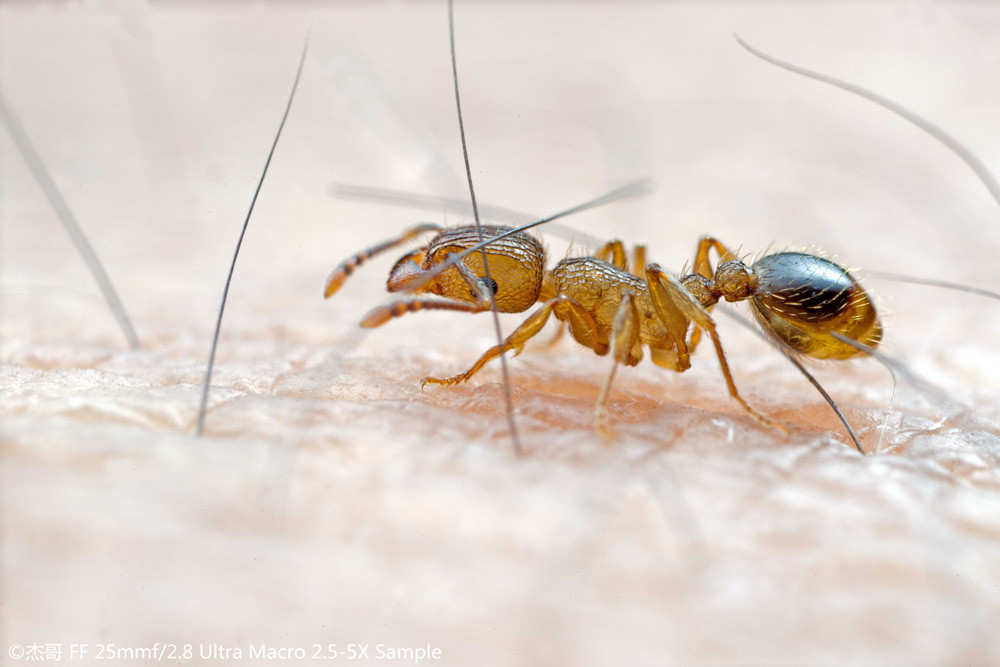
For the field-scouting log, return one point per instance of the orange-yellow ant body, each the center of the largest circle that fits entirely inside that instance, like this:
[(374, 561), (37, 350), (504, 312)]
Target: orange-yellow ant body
[(809, 304)]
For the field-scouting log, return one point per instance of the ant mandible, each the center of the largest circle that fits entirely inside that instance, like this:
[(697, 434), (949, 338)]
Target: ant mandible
[(809, 304)]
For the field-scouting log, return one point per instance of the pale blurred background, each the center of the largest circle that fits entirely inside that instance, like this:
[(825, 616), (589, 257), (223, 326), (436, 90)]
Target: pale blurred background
[(334, 502)]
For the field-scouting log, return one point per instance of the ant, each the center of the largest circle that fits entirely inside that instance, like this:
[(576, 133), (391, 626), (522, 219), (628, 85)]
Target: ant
[(810, 304)]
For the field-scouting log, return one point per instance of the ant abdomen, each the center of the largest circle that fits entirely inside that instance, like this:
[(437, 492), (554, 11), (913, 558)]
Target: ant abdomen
[(803, 299)]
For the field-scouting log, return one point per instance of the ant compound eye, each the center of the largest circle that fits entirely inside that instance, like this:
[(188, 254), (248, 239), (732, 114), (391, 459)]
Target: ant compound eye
[(803, 299), (490, 285)]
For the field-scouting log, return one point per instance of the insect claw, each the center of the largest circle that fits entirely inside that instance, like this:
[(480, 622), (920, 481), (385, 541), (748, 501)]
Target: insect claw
[(444, 382)]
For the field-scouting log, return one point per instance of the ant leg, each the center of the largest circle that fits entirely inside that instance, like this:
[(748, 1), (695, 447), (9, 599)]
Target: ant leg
[(560, 330), (613, 251), (638, 260), (627, 349), (701, 263), (347, 267), (703, 266), (581, 324), (672, 352), (669, 295)]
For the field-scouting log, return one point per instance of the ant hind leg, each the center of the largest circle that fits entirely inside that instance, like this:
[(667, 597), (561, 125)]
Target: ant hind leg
[(703, 266), (701, 262), (670, 297)]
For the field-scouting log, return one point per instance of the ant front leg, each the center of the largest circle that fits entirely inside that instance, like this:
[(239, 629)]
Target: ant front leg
[(670, 299), (581, 324)]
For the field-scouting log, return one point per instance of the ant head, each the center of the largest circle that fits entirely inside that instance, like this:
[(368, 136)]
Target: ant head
[(516, 266), (803, 299)]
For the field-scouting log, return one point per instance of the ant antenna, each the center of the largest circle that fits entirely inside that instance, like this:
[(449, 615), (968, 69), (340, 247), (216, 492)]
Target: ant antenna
[(952, 144), (202, 408), (68, 220), (508, 399)]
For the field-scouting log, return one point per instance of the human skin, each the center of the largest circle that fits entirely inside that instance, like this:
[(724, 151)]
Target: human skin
[(331, 500)]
